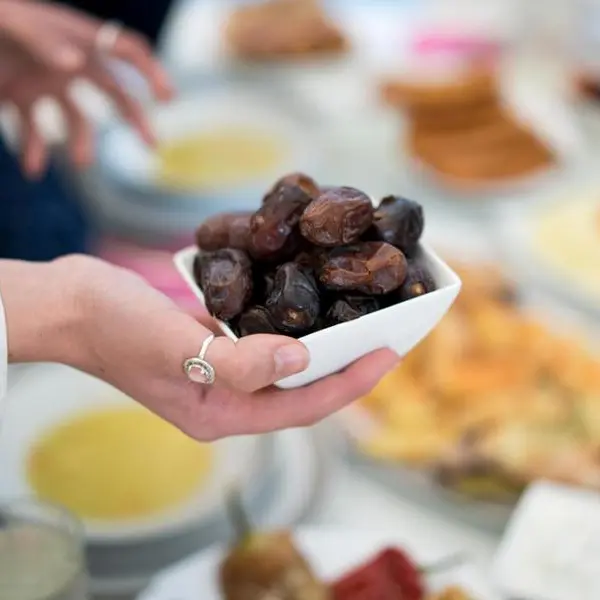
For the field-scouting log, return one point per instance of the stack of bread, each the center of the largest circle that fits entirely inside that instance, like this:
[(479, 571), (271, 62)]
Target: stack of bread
[(463, 130)]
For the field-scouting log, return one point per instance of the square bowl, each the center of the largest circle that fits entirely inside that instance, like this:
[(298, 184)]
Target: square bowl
[(399, 327)]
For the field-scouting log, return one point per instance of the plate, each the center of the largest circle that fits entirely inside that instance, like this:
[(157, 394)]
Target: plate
[(297, 473), (332, 553), (48, 395), (124, 158), (399, 327)]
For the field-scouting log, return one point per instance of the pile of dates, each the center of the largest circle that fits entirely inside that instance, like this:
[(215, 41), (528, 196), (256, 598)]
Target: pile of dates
[(310, 257)]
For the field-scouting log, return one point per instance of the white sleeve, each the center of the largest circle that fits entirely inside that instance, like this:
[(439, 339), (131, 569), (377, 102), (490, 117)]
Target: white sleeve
[(3, 360)]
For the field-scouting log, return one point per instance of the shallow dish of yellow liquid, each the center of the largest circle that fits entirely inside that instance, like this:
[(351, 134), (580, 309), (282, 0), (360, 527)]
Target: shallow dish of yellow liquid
[(117, 463), (222, 157), (130, 477)]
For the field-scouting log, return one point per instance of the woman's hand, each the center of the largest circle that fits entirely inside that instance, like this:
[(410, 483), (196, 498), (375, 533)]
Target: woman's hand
[(43, 48), (109, 322)]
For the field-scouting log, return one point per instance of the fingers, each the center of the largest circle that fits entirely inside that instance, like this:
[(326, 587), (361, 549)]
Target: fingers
[(136, 51), (44, 45), (81, 141), (256, 361), (130, 109), (33, 146), (274, 410)]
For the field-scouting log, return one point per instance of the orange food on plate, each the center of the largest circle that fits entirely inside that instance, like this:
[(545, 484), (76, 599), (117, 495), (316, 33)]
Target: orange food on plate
[(492, 395)]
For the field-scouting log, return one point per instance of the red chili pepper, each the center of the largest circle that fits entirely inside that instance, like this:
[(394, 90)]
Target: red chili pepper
[(391, 575)]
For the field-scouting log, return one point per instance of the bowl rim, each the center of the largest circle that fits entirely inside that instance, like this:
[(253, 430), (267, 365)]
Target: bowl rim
[(183, 256)]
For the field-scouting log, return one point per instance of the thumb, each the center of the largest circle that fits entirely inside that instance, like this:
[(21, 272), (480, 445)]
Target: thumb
[(256, 361)]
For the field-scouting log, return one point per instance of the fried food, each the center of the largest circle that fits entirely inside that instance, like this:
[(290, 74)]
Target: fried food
[(278, 29), (463, 131), (492, 400)]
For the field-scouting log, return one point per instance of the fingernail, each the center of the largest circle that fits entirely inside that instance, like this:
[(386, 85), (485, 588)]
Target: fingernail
[(291, 359)]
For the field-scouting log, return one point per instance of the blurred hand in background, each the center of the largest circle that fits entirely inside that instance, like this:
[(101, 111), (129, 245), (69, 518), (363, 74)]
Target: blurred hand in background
[(44, 48)]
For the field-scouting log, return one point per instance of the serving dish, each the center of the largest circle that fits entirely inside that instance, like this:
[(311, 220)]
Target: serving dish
[(51, 395), (574, 208), (124, 159), (517, 425), (399, 327), (550, 548), (331, 552)]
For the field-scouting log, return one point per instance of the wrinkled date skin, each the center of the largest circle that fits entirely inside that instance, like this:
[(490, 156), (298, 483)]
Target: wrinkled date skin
[(418, 282), (304, 182), (227, 230), (225, 278), (338, 216), (294, 301), (369, 268), (349, 308), (255, 320), (399, 222), (272, 227)]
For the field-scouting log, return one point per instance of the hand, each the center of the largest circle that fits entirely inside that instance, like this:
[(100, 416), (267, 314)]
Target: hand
[(43, 48), (118, 328)]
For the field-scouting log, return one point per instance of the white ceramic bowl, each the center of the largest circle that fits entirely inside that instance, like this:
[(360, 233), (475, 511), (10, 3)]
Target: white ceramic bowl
[(125, 159), (400, 327), (55, 393)]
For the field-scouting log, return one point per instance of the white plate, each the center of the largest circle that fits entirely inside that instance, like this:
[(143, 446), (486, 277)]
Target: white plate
[(332, 554), (48, 395), (516, 235), (126, 159), (301, 480), (400, 327), (551, 549)]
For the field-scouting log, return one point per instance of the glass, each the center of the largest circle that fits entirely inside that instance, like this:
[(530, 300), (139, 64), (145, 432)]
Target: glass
[(41, 553)]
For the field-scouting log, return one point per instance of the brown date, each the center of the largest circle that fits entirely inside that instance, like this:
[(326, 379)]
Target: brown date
[(338, 216), (304, 182), (400, 222), (225, 278), (350, 307), (418, 282), (255, 320), (227, 230), (273, 226), (368, 267), (294, 301)]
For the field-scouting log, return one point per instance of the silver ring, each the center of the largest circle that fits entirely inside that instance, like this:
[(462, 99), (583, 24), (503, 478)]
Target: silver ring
[(107, 36), (197, 368)]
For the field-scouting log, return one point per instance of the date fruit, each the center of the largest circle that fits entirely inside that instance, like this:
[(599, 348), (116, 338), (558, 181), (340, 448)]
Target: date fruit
[(338, 216), (349, 308), (399, 222), (294, 301), (255, 320), (310, 257), (273, 225), (418, 282), (368, 267), (225, 277), (227, 230)]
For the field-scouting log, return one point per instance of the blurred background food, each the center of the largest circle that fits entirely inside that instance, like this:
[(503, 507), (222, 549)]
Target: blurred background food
[(73, 465), (493, 399), (463, 130), (459, 104)]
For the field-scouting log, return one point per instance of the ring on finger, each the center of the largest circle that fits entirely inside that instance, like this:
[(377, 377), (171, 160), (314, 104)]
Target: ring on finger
[(197, 368), (107, 36)]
